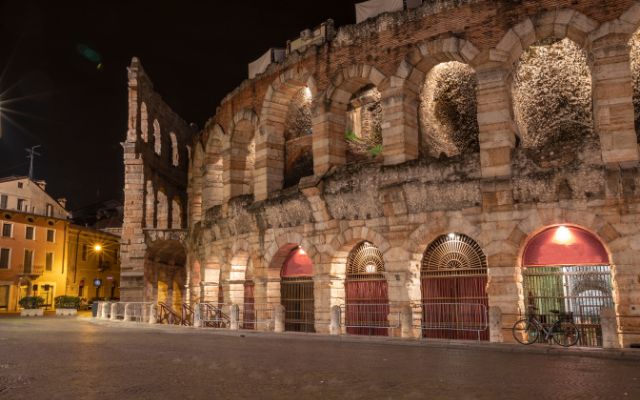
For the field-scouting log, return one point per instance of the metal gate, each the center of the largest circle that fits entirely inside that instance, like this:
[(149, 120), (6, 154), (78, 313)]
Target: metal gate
[(248, 309), (366, 292), (582, 291), (454, 295), (296, 296)]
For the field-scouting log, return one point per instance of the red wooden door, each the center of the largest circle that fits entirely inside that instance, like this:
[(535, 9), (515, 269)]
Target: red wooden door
[(367, 307)]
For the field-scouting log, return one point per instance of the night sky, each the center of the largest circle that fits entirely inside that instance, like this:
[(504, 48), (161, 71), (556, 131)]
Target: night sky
[(64, 82)]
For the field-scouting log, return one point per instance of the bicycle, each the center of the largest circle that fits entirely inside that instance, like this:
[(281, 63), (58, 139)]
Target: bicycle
[(563, 331)]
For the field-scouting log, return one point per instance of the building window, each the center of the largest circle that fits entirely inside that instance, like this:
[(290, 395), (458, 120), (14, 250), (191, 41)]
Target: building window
[(5, 258), (49, 262), (84, 252), (4, 199), (7, 230), (20, 185), (30, 233), (49, 210), (28, 261), (51, 235), (21, 205)]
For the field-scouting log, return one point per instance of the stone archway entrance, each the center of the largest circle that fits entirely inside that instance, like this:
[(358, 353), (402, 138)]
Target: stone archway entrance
[(567, 269), (367, 292), (454, 295), (165, 274), (296, 292)]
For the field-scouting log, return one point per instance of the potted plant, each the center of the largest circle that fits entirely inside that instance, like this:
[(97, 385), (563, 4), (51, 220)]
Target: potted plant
[(31, 306), (67, 305)]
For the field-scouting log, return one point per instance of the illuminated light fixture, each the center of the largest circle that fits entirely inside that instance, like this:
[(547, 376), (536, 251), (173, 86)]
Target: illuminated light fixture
[(307, 93), (301, 251), (370, 269), (451, 236), (563, 235), (97, 247)]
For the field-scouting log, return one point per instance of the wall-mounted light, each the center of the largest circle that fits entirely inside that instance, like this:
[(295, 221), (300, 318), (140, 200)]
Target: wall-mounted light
[(563, 235)]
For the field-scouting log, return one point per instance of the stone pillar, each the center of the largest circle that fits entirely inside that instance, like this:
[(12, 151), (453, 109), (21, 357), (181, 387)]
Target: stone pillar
[(128, 308), (328, 138), (609, 323), (336, 317), (495, 325), (399, 127), (613, 101), (234, 317), (278, 318), (114, 312), (323, 311), (406, 322), (269, 166)]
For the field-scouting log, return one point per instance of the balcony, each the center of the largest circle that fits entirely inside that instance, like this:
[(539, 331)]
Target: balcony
[(30, 270)]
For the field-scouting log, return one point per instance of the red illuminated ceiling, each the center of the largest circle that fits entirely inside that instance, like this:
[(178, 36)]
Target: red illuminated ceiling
[(564, 246), (297, 265)]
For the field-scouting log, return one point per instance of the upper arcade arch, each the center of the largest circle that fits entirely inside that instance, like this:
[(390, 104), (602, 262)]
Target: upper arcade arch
[(212, 179), (239, 155), (281, 145), (196, 177)]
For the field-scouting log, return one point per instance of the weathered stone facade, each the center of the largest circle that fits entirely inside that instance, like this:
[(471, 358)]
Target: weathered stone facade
[(500, 192), (156, 159)]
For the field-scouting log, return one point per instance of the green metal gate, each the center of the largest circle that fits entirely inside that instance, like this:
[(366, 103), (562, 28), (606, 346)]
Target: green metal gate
[(582, 291)]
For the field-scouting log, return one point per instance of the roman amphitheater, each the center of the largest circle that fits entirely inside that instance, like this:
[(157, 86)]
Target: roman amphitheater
[(432, 172)]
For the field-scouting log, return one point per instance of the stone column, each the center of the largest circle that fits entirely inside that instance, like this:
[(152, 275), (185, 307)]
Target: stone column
[(278, 318), (613, 101), (495, 325), (234, 317), (399, 127), (336, 320), (269, 166), (328, 138)]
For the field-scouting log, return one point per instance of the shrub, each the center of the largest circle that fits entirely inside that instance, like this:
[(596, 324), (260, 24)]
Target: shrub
[(31, 302), (67, 302)]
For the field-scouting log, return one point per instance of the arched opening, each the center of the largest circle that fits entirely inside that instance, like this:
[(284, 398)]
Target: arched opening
[(195, 188), (249, 302), (366, 292), (448, 111), (552, 100), (212, 192), (162, 210), (567, 269), (363, 130), (176, 213), (175, 151), (165, 274), (242, 159), (144, 122), (157, 137), (634, 44), (298, 152), (150, 205), (454, 296), (296, 291)]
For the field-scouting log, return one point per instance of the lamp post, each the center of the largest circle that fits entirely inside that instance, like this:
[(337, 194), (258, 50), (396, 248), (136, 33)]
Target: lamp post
[(98, 282)]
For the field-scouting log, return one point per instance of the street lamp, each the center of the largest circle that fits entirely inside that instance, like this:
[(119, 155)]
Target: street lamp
[(98, 282)]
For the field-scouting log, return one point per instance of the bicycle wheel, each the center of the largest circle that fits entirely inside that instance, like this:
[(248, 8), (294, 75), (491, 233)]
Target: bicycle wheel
[(525, 332), (565, 333)]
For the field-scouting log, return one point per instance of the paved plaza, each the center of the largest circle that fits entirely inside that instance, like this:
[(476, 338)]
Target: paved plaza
[(77, 359)]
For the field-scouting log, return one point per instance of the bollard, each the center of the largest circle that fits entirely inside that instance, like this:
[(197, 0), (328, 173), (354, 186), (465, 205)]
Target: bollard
[(234, 317), (336, 316), (114, 312), (197, 319), (105, 311), (278, 318), (609, 325), (406, 322), (495, 325), (153, 314), (99, 313), (127, 311)]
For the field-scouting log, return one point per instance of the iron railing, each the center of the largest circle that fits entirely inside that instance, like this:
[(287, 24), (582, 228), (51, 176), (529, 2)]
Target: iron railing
[(252, 315), (462, 321), (214, 315)]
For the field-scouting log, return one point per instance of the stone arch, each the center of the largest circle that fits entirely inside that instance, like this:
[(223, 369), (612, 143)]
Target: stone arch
[(162, 209), (330, 140), (402, 143), (212, 191), (274, 150), (175, 150), (195, 186), (176, 213), (165, 273), (157, 137), (425, 234), (239, 155), (144, 122), (343, 243)]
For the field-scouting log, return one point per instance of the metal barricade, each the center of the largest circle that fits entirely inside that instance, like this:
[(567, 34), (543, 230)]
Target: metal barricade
[(462, 321), (369, 319), (253, 315), (137, 312), (214, 315)]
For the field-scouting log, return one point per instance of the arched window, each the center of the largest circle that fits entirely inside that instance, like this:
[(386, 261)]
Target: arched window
[(157, 137), (175, 152), (144, 122)]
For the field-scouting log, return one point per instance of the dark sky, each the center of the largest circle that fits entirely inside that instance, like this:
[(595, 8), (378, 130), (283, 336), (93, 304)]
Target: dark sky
[(54, 96)]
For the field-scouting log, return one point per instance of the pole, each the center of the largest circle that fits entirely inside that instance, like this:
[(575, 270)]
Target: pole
[(31, 155)]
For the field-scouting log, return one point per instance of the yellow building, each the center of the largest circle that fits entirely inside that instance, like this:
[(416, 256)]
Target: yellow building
[(43, 254)]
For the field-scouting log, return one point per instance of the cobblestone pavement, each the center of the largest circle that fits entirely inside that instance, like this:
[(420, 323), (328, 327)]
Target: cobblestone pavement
[(74, 359)]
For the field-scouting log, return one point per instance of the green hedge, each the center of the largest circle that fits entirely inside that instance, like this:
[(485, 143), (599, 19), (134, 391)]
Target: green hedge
[(31, 302), (67, 302)]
